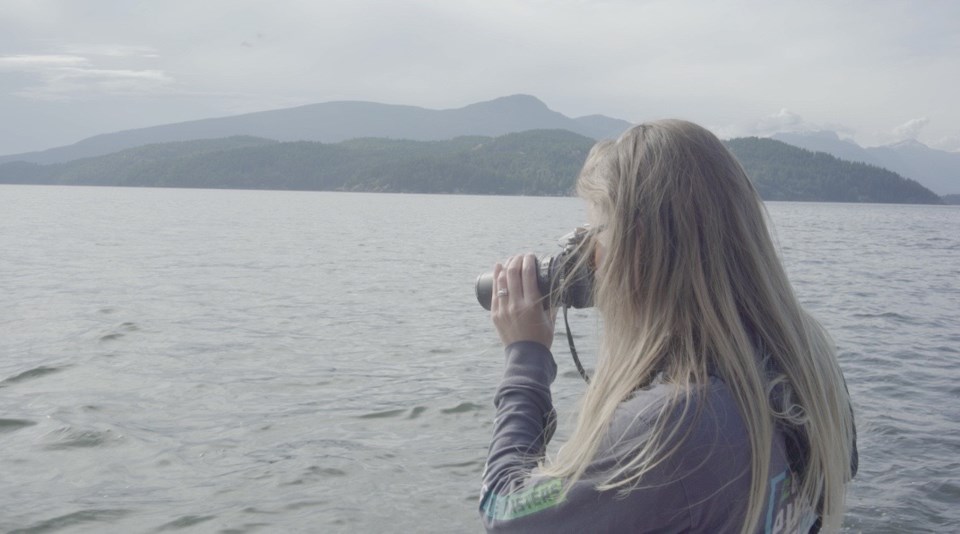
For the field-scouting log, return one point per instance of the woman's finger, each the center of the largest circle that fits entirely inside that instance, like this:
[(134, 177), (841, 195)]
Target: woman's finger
[(502, 292), (494, 298), (529, 275), (514, 282)]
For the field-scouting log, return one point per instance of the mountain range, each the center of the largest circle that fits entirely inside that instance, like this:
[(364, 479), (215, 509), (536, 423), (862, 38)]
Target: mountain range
[(332, 122)]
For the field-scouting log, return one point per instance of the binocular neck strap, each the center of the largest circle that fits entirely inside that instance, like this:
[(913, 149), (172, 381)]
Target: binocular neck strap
[(573, 350)]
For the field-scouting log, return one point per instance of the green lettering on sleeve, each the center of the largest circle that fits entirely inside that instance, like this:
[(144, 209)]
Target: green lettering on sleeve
[(539, 497)]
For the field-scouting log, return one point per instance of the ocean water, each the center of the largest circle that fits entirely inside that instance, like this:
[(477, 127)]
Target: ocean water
[(244, 361)]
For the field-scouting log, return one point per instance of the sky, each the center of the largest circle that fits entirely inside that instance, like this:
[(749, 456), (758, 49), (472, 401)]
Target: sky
[(876, 71)]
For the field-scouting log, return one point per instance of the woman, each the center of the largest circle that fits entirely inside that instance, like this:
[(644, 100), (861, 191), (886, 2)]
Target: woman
[(717, 404)]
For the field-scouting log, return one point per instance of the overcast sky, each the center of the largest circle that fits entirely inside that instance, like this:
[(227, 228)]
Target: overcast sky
[(877, 71)]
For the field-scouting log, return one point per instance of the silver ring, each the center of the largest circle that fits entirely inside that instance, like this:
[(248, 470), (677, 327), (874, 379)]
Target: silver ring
[(502, 292)]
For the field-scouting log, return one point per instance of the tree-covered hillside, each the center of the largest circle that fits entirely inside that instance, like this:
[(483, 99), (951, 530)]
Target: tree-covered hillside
[(784, 172), (536, 162)]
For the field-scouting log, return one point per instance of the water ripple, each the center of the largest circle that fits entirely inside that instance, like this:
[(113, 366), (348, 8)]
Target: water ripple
[(74, 519), (186, 521), (36, 372), (70, 438), (12, 425)]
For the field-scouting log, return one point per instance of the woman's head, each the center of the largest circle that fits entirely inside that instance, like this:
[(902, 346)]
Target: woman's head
[(684, 235)]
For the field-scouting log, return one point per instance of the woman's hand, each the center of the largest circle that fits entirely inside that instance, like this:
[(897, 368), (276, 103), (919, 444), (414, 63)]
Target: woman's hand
[(517, 306)]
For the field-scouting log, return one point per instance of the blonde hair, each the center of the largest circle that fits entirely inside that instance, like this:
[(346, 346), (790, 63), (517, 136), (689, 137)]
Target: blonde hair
[(691, 283)]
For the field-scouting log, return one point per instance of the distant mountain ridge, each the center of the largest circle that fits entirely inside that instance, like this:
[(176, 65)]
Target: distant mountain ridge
[(535, 162), (937, 170), (333, 122)]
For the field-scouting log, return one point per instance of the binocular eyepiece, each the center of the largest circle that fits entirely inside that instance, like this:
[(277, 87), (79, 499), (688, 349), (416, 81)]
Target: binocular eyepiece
[(566, 279)]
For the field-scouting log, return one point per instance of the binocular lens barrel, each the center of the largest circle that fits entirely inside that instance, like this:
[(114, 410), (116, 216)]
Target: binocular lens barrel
[(485, 289)]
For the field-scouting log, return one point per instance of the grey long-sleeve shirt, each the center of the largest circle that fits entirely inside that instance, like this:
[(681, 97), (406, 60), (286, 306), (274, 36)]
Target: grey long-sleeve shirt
[(702, 487)]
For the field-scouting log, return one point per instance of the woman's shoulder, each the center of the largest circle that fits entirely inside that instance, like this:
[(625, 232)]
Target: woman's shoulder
[(708, 408), (701, 423), (706, 440)]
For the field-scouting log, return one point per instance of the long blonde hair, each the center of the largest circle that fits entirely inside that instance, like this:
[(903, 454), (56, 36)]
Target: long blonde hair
[(690, 281)]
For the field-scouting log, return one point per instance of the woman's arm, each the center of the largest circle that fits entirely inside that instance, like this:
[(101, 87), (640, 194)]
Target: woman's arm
[(524, 424), (515, 498)]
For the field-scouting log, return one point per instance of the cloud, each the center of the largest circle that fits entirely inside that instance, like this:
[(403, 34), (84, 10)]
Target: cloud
[(910, 129), (71, 83), (39, 62), (950, 143), (782, 121), (80, 73), (111, 50), (145, 75)]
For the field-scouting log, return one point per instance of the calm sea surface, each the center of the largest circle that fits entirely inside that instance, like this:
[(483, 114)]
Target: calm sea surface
[(241, 361)]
